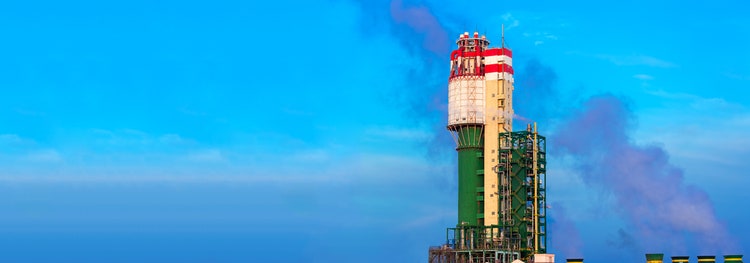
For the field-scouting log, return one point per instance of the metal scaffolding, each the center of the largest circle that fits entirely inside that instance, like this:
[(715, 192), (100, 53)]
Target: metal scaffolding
[(523, 184)]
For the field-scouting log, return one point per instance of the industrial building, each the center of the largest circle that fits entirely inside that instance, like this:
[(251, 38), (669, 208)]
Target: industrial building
[(501, 173), (502, 181)]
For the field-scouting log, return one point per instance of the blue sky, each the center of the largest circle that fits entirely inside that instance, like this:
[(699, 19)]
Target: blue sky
[(287, 131)]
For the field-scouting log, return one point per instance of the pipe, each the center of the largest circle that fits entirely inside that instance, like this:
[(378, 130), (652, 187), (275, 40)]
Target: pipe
[(536, 191)]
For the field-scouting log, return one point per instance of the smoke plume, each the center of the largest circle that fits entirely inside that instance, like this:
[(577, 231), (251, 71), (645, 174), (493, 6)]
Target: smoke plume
[(422, 22), (565, 238), (422, 33), (535, 94), (648, 191)]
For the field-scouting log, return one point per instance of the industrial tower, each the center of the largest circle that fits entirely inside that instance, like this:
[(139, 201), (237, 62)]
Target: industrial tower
[(501, 173)]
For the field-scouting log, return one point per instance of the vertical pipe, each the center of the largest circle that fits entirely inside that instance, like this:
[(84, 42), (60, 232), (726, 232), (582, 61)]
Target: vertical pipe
[(536, 191)]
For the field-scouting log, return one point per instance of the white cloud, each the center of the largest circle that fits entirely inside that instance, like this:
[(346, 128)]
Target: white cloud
[(698, 131), (636, 60), (540, 37), (44, 156), (319, 155), (30, 113), (736, 76), (510, 20), (712, 105), (629, 60), (397, 133), (172, 139), (643, 77), (192, 112), (138, 138), (210, 155), (10, 139)]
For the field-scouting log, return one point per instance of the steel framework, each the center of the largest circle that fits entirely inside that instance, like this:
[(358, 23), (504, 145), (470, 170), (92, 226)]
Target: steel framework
[(523, 197)]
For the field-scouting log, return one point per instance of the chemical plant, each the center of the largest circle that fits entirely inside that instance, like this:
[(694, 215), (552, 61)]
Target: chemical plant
[(502, 179)]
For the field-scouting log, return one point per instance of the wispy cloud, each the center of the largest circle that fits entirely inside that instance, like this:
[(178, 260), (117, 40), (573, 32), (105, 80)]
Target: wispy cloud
[(697, 102), (540, 37), (208, 155), (395, 133), (637, 60), (629, 60), (11, 139), (44, 156), (736, 76), (135, 138), (316, 156), (510, 21), (643, 77), (172, 139), (30, 113), (684, 129), (192, 112)]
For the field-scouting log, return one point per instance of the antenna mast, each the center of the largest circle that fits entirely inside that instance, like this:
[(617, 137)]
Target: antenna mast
[(502, 36)]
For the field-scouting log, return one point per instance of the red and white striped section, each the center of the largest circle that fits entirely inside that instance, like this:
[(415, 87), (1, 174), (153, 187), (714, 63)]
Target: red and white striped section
[(498, 64)]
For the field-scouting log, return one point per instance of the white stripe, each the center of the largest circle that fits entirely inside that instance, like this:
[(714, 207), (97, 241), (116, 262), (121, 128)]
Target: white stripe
[(498, 59)]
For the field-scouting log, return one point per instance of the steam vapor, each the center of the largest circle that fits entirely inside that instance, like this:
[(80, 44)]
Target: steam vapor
[(566, 239), (648, 191)]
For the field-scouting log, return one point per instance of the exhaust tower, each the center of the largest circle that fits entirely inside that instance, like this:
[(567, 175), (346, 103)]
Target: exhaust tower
[(501, 173)]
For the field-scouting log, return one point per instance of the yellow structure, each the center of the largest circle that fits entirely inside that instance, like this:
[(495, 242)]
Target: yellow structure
[(499, 119)]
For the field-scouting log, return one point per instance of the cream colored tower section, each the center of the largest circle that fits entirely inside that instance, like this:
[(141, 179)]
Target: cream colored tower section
[(499, 118)]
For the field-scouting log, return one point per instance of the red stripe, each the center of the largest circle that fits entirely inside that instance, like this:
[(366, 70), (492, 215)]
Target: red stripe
[(486, 53), (498, 52), (498, 68)]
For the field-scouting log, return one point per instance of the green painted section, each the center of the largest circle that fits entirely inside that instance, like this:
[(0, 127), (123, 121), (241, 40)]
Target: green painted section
[(733, 258), (654, 256), (470, 163)]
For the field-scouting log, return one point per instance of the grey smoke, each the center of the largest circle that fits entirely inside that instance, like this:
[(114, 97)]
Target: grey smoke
[(564, 235), (535, 97), (649, 192), (422, 95), (625, 241)]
